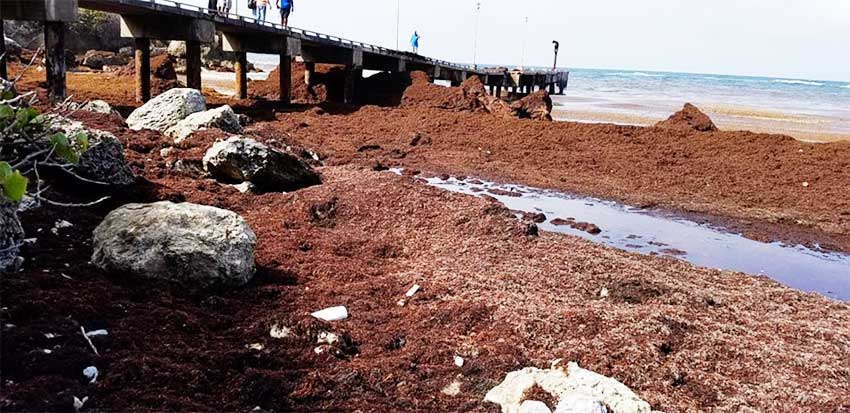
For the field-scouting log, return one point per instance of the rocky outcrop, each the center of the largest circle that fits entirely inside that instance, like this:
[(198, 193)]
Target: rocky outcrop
[(194, 245), (577, 390), (239, 159), (167, 109), (223, 118), (11, 237), (537, 106), (104, 160), (690, 117), (94, 30), (97, 59)]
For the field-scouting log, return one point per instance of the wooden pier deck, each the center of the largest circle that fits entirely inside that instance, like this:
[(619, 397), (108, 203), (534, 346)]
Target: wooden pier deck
[(145, 20)]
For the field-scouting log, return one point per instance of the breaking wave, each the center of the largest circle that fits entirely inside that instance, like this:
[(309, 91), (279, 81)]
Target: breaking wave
[(798, 82)]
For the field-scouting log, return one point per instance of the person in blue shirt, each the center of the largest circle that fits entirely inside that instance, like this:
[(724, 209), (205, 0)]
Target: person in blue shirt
[(414, 42), (286, 7)]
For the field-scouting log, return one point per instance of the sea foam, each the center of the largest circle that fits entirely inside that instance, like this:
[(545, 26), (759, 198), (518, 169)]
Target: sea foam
[(798, 82)]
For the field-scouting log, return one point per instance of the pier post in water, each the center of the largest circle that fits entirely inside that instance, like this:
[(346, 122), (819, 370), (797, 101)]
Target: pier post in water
[(552, 88), (241, 75), (352, 77), (193, 64), (142, 47), (54, 45)]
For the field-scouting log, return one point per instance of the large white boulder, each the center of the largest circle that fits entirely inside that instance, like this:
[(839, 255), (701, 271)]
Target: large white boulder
[(167, 109), (222, 117), (186, 243), (577, 389), (240, 159)]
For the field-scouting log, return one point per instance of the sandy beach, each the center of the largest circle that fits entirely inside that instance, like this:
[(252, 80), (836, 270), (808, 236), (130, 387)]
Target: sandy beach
[(496, 290)]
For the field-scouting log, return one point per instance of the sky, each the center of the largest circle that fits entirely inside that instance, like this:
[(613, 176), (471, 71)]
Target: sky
[(801, 39)]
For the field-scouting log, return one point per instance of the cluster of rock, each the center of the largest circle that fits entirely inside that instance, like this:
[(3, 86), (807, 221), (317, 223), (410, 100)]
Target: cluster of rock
[(577, 390), (537, 106), (213, 56), (195, 245)]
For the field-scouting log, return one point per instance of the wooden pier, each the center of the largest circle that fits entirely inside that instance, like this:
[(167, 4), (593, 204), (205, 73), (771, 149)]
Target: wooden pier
[(146, 20)]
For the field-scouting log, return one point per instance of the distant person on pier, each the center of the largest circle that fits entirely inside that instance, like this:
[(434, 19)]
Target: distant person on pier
[(260, 7), (414, 42), (286, 7), (212, 5), (224, 6)]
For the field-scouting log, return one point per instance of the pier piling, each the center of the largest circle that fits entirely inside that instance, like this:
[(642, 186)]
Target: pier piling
[(142, 46)]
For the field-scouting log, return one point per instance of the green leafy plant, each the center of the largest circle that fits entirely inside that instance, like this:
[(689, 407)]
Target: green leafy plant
[(13, 183)]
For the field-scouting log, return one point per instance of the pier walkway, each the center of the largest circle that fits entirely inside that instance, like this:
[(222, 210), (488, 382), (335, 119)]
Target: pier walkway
[(146, 20)]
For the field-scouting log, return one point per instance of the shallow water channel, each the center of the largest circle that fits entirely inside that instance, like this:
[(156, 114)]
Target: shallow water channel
[(656, 233)]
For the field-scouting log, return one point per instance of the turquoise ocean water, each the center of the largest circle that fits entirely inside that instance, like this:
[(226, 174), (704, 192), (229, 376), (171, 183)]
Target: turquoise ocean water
[(795, 106)]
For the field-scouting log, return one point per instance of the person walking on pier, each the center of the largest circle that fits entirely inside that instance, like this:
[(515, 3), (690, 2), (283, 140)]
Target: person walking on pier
[(286, 7), (414, 42), (260, 7)]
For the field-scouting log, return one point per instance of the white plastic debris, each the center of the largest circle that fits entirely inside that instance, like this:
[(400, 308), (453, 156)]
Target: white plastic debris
[(319, 350), (78, 403), (805, 184), (327, 338), (459, 361), (30, 241), (49, 335), (534, 406), (91, 373), (95, 333), (603, 292), (409, 294), (412, 290), (280, 332), (255, 346), (47, 351), (332, 314)]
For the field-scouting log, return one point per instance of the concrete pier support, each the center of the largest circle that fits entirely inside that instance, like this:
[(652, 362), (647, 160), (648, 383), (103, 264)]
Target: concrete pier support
[(54, 44), (193, 64), (285, 84), (241, 69), (353, 74), (309, 75), (143, 69), (3, 73), (455, 83), (498, 91), (551, 88)]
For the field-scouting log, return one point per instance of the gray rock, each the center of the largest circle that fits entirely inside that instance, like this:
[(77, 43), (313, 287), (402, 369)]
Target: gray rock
[(239, 159), (177, 49), (104, 160), (7, 86), (98, 106), (13, 48), (577, 389), (11, 237), (128, 51), (97, 59), (195, 245), (167, 109), (222, 118)]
